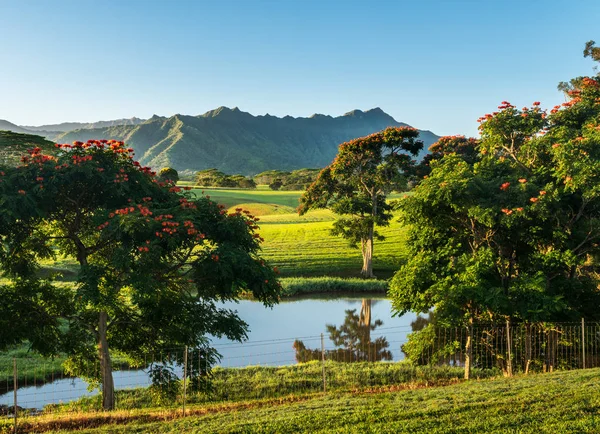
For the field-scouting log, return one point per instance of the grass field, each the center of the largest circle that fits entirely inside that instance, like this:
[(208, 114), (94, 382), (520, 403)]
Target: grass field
[(561, 402), (302, 245), (263, 194)]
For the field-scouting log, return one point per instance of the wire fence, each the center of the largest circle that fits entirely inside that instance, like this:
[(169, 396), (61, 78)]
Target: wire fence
[(353, 358)]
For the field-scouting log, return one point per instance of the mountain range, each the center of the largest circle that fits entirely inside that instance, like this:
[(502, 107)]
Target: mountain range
[(230, 140)]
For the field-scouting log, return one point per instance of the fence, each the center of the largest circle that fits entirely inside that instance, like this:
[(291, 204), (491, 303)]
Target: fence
[(350, 358)]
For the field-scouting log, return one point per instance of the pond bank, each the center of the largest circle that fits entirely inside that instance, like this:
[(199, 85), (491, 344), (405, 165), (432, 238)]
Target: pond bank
[(295, 286)]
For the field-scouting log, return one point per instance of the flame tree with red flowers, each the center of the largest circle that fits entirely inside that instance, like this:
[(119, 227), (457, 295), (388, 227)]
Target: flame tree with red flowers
[(461, 145), (153, 260), (514, 235), (356, 183)]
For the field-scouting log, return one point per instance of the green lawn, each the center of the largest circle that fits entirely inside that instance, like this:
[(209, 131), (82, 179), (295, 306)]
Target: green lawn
[(302, 245), (230, 196), (561, 402)]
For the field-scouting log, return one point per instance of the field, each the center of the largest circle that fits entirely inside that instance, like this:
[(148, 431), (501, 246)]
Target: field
[(561, 402), (302, 245)]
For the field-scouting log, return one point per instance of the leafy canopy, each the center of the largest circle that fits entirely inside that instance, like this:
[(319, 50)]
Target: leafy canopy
[(156, 260), (514, 231)]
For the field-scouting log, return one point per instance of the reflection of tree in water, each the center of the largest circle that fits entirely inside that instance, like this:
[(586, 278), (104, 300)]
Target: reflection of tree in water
[(352, 340)]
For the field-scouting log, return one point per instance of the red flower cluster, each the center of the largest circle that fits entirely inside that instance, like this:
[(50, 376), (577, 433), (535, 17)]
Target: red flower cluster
[(505, 186), (505, 105), (78, 160), (184, 203), (144, 210)]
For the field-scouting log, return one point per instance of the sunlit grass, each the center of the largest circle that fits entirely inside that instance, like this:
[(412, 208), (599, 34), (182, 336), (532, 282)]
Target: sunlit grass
[(561, 402)]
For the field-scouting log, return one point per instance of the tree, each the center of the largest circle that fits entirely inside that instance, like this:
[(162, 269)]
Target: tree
[(168, 174), (355, 186), (512, 236), (352, 340), (154, 261), (276, 184), (461, 145)]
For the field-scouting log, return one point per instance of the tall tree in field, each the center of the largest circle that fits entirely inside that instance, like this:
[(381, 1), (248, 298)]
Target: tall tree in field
[(514, 234), (355, 185), (153, 260)]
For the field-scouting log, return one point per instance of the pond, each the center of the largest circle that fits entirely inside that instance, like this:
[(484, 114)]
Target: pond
[(365, 326)]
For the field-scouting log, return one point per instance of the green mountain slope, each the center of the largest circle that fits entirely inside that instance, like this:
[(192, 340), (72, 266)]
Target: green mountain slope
[(237, 142), (69, 126), (14, 145)]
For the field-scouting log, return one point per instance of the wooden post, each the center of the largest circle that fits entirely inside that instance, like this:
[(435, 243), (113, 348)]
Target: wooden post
[(185, 361), (469, 350), (509, 344), (583, 343), (15, 385), (323, 362)]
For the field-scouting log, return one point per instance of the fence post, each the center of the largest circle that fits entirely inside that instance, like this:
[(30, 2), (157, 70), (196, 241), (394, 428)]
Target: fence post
[(509, 344), (583, 343), (15, 384), (323, 362), (185, 362), (469, 350)]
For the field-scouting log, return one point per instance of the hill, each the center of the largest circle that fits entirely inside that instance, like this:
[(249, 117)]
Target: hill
[(238, 142), (69, 126), (14, 145)]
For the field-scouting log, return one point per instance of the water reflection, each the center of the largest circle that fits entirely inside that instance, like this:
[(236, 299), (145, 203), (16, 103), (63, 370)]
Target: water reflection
[(271, 339), (352, 340)]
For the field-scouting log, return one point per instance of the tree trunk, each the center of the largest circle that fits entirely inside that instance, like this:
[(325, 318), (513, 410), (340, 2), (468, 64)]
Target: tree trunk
[(108, 387), (367, 254), (367, 243), (365, 313), (469, 350)]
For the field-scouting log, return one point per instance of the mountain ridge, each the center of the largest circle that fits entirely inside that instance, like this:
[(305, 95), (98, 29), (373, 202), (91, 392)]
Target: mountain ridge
[(234, 141)]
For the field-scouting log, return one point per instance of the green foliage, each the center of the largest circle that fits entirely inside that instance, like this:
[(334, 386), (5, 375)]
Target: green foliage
[(152, 260), (330, 285), (215, 178), (356, 183), (165, 387), (465, 147), (513, 232), (168, 174), (592, 51)]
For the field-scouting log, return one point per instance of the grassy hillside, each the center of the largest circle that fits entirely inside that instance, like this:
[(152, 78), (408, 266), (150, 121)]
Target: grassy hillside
[(14, 145), (237, 142), (561, 402), (262, 195), (302, 245)]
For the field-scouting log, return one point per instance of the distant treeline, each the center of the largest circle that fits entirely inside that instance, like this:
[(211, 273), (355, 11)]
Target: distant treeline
[(275, 179), (216, 178), (279, 180)]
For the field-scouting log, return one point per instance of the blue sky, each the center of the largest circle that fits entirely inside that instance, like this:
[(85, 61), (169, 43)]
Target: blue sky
[(436, 65)]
